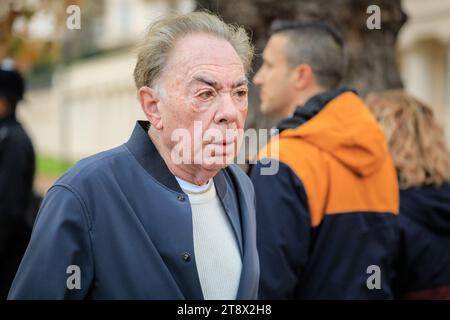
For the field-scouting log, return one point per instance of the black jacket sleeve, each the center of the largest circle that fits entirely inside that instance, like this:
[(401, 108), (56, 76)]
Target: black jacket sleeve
[(283, 230)]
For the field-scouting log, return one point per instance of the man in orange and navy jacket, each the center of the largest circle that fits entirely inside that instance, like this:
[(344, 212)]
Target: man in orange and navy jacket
[(326, 221)]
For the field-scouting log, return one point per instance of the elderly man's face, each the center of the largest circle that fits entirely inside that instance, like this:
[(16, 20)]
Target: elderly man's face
[(203, 92)]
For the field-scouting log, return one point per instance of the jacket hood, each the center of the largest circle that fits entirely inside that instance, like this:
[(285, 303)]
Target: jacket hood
[(429, 205), (345, 129)]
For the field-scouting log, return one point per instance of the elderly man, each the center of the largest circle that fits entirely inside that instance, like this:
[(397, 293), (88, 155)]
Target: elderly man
[(144, 221), (327, 220)]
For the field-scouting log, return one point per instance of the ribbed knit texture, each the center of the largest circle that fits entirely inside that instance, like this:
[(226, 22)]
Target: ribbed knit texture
[(217, 253)]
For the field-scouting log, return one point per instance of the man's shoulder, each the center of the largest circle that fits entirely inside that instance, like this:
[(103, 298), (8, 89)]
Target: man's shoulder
[(293, 152), (95, 167)]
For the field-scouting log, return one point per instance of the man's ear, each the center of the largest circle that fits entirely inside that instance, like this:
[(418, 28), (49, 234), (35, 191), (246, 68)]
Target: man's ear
[(303, 76), (148, 98)]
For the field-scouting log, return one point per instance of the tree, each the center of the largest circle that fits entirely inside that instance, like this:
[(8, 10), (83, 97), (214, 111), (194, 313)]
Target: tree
[(371, 52), (36, 54)]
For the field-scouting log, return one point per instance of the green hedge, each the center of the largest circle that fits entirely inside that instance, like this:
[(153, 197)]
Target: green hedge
[(52, 167)]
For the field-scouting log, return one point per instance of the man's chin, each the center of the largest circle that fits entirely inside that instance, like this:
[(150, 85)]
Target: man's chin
[(214, 167), (217, 163)]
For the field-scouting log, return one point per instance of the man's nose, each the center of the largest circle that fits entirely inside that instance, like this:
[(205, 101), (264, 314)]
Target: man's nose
[(257, 79), (227, 112)]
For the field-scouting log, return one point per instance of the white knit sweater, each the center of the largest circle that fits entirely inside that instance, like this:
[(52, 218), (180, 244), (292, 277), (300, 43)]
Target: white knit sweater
[(216, 249)]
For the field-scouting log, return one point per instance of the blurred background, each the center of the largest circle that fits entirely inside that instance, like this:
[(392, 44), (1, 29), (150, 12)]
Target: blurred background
[(81, 97)]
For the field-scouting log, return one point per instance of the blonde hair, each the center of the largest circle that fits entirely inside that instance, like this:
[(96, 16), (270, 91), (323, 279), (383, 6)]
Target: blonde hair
[(415, 139), (154, 50)]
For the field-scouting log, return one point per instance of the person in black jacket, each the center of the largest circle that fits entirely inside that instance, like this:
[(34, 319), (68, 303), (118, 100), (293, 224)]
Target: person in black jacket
[(17, 166), (422, 161)]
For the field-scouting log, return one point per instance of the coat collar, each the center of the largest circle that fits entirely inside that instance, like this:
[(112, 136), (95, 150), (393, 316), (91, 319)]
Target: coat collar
[(9, 118), (312, 107), (142, 147)]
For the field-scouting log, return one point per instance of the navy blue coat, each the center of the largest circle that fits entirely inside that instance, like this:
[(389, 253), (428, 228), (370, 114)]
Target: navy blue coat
[(424, 262), (123, 219)]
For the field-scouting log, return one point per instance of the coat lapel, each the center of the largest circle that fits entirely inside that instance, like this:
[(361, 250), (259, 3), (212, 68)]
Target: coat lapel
[(248, 287), (168, 218), (230, 205)]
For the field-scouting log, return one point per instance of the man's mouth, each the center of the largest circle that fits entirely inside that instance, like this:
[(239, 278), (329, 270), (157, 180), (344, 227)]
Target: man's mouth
[(223, 142), (223, 148)]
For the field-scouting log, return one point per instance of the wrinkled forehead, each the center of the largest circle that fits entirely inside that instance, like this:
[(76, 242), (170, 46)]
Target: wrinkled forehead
[(203, 54)]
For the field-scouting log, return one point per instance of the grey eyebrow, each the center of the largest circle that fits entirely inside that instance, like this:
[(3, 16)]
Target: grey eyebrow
[(215, 85), (211, 83)]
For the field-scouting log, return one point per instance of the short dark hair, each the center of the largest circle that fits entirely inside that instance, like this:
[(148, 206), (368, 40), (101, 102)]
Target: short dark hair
[(317, 44), (12, 84)]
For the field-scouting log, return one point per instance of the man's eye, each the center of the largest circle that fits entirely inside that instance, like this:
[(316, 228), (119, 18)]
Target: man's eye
[(206, 94), (241, 93)]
